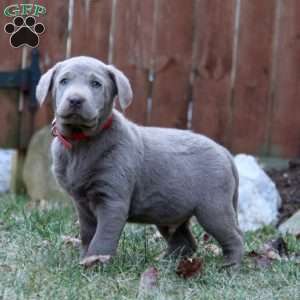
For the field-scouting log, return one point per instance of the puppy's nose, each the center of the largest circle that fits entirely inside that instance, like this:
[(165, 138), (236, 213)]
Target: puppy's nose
[(75, 102)]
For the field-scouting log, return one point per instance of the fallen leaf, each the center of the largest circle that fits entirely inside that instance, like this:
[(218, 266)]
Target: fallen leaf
[(213, 248), (68, 240), (157, 236), (262, 261), (281, 246), (148, 281), (268, 252), (206, 237), (5, 268), (189, 267), (278, 246), (93, 259), (273, 255), (252, 254), (45, 243)]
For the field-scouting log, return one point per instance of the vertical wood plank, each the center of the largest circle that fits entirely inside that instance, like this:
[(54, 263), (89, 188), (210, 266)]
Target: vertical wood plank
[(172, 60), (10, 61), (213, 55), (52, 47), (253, 76), (132, 54), (53, 41), (91, 27), (285, 134)]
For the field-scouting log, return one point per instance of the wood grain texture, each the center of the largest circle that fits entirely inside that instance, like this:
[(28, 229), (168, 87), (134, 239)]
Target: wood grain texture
[(91, 28), (172, 63), (285, 133), (132, 51), (253, 77), (10, 61), (245, 97), (213, 56), (52, 48)]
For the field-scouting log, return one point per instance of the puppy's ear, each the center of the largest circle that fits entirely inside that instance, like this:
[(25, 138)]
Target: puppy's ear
[(124, 90), (44, 85)]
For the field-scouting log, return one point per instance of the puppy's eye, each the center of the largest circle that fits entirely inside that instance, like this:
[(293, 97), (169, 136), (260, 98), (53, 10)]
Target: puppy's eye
[(64, 81), (96, 84)]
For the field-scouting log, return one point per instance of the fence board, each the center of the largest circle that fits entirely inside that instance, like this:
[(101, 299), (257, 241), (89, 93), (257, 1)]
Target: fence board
[(52, 47), (132, 50), (257, 113), (214, 52), (253, 76), (10, 61), (285, 137), (91, 27), (172, 60)]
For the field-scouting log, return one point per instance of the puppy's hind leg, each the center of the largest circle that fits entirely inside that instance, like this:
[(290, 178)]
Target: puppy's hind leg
[(223, 226), (180, 240)]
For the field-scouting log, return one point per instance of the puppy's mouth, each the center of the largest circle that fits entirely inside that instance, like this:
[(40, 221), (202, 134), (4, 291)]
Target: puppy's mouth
[(77, 121)]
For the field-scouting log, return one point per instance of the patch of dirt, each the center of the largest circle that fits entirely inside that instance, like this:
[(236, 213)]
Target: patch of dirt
[(288, 184)]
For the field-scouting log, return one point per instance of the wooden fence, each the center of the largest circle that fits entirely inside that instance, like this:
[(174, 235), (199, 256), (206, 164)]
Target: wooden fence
[(229, 69)]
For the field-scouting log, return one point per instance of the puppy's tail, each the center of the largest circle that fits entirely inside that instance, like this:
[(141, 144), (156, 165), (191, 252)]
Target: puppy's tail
[(236, 190), (235, 173)]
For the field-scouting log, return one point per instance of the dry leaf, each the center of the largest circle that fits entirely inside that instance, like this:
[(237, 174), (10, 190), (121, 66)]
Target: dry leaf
[(213, 248), (262, 261), (45, 243), (205, 237), (252, 254), (278, 245), (68, 240), (5, 268), (270, 251), (94, 259), (273, 255), (189, 267), (157, 236), (148, 281)]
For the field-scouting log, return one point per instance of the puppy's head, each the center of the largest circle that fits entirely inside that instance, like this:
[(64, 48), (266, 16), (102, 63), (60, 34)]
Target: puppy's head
[(83, 90)]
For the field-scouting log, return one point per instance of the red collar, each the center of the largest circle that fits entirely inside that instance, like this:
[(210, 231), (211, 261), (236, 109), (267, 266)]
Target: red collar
[(76, 136)]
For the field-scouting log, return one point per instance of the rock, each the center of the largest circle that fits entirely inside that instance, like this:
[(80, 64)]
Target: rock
[(37, 175), (292, 225), (259, 199), (7, 161)]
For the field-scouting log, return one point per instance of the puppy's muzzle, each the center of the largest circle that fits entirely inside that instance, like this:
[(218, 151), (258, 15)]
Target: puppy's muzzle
[(75, 103)]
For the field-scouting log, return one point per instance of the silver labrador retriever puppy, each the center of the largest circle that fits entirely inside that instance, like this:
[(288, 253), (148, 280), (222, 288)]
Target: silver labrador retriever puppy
[(118, 172)]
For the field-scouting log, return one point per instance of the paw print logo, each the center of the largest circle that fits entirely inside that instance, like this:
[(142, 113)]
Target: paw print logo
[(24, 32)]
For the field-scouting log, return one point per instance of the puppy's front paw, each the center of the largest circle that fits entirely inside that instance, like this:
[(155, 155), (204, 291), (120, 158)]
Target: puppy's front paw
[(94, 259)]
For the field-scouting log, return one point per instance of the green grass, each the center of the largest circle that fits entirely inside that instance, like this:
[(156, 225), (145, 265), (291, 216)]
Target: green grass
[(35, 263)]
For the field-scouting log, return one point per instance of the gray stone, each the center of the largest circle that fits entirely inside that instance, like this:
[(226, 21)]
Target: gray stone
[(292, 225), (7, 158), (37, 175)]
